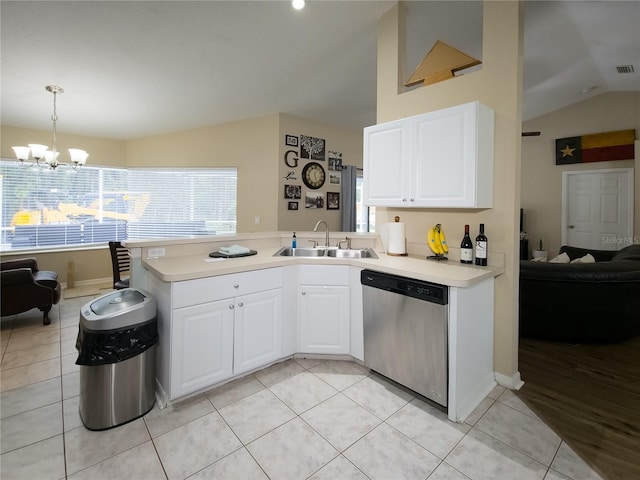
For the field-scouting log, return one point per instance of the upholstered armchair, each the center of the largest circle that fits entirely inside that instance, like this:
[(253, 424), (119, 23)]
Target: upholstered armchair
[(24, 287)]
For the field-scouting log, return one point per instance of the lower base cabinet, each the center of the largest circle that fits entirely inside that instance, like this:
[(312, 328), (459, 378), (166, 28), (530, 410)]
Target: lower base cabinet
[(213, 341), (258, 330), (201, 346), (324, 319)]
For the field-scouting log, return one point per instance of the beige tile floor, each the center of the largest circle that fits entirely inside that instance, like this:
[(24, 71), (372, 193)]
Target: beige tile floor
[(297, 419)]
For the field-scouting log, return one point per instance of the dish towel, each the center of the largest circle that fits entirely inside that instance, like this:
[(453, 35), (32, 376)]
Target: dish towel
[(234, 250)]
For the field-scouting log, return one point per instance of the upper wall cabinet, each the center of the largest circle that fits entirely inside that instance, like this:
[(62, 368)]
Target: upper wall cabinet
[(438, 159)]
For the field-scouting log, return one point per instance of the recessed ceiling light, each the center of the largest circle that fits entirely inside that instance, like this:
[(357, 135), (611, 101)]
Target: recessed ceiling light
[(297, 4)]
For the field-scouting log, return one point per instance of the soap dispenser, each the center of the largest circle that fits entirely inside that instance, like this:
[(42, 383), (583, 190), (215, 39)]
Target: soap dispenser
[(294, 240)]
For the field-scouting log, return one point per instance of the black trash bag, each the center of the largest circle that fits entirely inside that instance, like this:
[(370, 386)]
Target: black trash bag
[(102, 348)]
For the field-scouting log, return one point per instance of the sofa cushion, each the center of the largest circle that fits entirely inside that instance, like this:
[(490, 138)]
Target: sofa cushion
[(562, 258), (588, 258), (632, 252)]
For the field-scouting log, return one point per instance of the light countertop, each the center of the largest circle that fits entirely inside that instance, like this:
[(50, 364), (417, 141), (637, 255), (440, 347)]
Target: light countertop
[(189, 267)]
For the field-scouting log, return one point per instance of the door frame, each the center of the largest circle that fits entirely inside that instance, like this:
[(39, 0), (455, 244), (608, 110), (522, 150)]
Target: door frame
[(629, 171)]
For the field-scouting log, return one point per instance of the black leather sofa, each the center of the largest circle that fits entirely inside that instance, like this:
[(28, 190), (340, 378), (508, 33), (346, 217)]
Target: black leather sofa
[(24, 286), (582, 302)]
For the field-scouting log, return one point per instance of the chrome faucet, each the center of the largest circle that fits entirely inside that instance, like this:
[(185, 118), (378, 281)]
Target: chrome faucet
[(326, 231)]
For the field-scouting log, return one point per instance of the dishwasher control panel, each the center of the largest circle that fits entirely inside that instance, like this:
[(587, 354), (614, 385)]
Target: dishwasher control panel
[(430, 292)]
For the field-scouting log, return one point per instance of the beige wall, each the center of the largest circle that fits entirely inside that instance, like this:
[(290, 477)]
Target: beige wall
[(348, 142), (254, 146), (102, 151), (249, 145), (541, 195), (499, 85)]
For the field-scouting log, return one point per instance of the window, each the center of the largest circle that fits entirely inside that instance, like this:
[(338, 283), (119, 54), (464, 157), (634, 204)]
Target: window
[(45, 208), (365, 216)]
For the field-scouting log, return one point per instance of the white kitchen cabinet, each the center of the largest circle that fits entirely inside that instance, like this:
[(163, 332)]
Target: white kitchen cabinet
[(324, 319), (258, 330), (438, 159), (218, 327), (201, 346), (324, 312)]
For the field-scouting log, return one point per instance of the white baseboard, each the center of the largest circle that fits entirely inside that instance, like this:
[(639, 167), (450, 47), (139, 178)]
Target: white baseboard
[(85, 283), (512, 383)]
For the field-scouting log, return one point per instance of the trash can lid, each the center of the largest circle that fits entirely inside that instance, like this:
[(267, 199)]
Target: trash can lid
[(124, 308), (117, 302)]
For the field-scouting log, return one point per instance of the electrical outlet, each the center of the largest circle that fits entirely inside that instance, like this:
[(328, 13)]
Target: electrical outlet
[(257, 220), (156, 252)]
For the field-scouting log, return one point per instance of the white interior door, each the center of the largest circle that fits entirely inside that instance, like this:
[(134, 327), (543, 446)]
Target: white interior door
[(597, 208)]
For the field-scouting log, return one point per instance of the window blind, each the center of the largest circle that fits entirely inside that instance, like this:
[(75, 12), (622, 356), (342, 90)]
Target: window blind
[(42, 208)]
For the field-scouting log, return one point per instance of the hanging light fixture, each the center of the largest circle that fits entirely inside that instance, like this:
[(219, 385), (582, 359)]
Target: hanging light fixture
[(39, 152)]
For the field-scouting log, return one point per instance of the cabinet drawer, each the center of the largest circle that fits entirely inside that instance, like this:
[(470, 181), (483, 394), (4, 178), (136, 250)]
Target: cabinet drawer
[(202, 290)]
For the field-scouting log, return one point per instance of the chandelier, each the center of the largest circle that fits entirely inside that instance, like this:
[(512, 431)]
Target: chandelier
[(39, 152)]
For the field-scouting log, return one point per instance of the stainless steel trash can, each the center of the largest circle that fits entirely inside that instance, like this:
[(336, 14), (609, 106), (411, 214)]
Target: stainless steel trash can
[(116, 346)]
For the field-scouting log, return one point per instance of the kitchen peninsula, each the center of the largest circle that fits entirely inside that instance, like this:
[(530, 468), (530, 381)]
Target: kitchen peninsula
[(220, 319)]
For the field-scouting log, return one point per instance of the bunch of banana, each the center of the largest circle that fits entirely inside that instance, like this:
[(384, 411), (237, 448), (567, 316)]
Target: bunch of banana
[(436, 240)]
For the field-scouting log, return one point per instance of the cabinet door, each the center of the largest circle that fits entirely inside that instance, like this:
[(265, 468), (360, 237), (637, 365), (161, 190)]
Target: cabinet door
[(324, 319), (387, 164), (452, 157), (202, 346), (258, 330)]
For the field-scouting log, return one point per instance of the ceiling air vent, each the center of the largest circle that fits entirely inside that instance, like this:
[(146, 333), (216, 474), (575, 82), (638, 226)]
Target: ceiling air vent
[(624, 68)]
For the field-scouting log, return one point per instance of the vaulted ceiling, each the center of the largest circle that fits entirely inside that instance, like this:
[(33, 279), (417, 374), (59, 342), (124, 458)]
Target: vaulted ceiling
[(140, 68)]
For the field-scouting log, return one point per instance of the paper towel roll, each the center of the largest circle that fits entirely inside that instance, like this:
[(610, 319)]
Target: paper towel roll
[(396, 241)]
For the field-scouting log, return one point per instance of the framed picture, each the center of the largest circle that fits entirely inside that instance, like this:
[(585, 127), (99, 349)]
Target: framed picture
[(314, 200), (333, 201), (291, 140), (335, 160), (312, 148), (292, 206), (334, 178), (293, 191)]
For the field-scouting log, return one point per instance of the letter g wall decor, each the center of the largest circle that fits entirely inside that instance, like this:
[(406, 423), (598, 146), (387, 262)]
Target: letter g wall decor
[(288, 160)]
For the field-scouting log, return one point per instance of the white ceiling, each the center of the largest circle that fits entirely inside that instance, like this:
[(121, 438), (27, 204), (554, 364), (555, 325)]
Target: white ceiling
[(140, 68)]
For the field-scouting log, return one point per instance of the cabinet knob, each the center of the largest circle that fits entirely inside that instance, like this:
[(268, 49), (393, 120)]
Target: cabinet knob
[(231, 307), (404, 199), (236, 286), (412, 199), (240, 304), (304, 293)]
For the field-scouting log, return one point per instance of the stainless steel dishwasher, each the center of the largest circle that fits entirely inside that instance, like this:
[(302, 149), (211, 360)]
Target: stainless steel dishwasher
[(406, 332)]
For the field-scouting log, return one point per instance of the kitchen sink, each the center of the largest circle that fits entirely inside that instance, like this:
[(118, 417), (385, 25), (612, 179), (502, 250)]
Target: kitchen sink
[(351, 253), (299, 252), (326, 252)]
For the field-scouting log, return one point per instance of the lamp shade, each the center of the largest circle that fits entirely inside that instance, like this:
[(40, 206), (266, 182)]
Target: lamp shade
[(22, 153), (78, 157), (51, 157), (37, 150)]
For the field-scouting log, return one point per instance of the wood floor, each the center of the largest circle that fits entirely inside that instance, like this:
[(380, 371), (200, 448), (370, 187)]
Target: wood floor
[(590, 396)]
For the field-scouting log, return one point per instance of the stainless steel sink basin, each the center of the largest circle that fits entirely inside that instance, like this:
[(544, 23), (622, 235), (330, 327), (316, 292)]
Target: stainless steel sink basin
[(299, 252), (326, 252), (352, 253)]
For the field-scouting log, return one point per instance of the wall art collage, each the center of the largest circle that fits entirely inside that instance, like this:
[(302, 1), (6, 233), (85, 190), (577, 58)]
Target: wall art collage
[(307, 160)]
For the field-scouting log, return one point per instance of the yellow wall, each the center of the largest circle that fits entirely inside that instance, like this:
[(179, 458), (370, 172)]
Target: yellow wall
[(542, 178), (499, 85), (348, 142)]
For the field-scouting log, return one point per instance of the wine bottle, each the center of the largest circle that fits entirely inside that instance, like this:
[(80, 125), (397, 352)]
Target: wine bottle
[(466, 247), (481, 247)]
